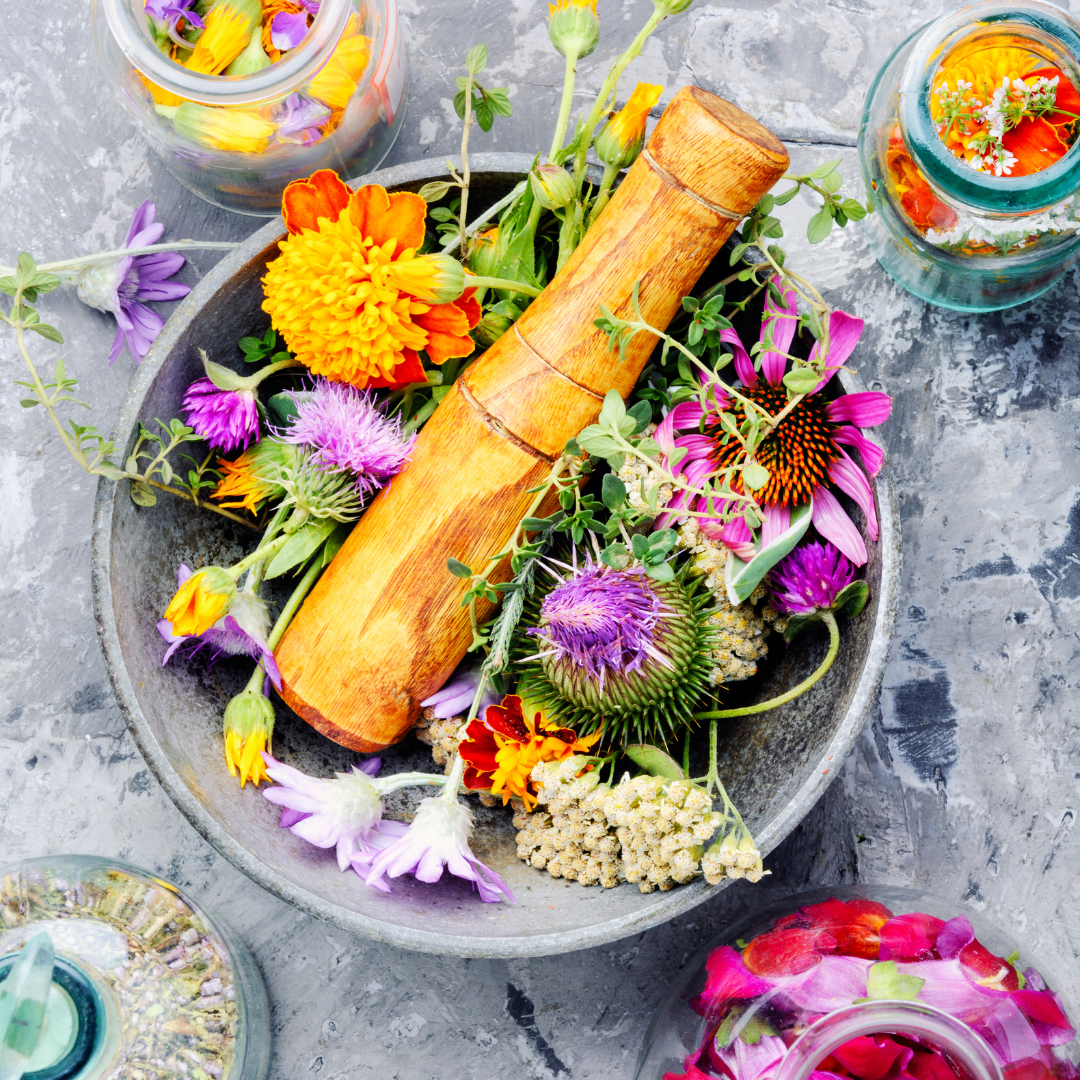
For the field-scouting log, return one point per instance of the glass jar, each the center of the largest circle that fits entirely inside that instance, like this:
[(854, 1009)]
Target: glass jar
[(861, 984), (335, 101), (957, 237), (109, 972)]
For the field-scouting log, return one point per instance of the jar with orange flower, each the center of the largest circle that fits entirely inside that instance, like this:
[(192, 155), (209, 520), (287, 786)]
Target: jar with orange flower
[(240, 97), (968, 156)]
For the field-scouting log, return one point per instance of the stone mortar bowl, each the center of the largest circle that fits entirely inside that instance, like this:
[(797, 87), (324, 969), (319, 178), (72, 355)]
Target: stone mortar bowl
[(775, 765)]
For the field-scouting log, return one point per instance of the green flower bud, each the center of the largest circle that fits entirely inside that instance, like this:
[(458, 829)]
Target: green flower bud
[(249, 725), (496, 321), (486, 257), (574, 27), (552, 186), (619, 144), (252, 59), (671, 7)]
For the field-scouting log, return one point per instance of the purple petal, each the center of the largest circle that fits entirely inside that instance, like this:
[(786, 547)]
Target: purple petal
[(269, 665), (1033, 978), (844, 333), (744, 366), (1007, 1031), (686, 415), (290, 817), (142, 217), (288, 30), (370, 765), (830, 520), (833, 983), (748, 1062), (163, 290), (183, 572), (784, 321), (319, 830), (160, 264), (490, 886), (150, 235), (735, 536), (849, 478), (872, 454), (775, 521), (954, 937), (947, 987), (118, 346), (866, 409), (453, 706)]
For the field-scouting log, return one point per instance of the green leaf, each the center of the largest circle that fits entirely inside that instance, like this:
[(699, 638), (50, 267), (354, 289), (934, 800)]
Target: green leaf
[(166, 473), (649, 447), (787, 196), (458, 569), (222, 377), (571, 449), (26, 269), (283, 408), (750, 1032), (801, 380), (499, 100), (616, 556), (641, 411), (484, 116), (654, 761), (831, 183), (820, 226), (459, 105), (854, 209), (596, 442), (797, 623), (143, 495), (1014, 960), (660, 571), (825, 168), (29, 403), (300, 546), (755, 475), (335, 540), (743, 577), (109, 471), (613, 492), (9, 285), (884, 982), (476, 59), (851, 599), (48, 332)]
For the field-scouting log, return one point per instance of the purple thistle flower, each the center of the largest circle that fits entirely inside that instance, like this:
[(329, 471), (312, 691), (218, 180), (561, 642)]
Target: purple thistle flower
[(457, 694), (242, 632), (118, 287), (602, 620), (226, 419), (438, 838), (298, 119), (347, 430), (810, 578)]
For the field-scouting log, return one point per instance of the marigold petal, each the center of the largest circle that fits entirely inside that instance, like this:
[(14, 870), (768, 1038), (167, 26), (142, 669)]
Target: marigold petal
[(323, 195), (410, 370), (381, 217), (471, 306), (448, 327), (475, 780), (1036, 145)]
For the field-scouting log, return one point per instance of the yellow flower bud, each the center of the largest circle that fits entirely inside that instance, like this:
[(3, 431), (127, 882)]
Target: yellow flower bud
[(552, 186), (437, 278), (249, 725), (574, 27), (219, 129), (619, 144), (203, 599)]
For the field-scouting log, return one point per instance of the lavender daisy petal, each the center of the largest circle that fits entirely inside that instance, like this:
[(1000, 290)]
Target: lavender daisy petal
[(810, 578), (226, 419), (347, 430)]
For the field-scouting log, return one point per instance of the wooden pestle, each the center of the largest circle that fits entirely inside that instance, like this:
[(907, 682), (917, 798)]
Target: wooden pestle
[(384, 627)]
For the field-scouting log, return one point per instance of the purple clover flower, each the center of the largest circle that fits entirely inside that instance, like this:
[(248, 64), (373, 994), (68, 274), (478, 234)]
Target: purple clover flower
[(438, 838), (298, 119), (242, 632), (810, 578), (347, 430), (226, 419), (118, 287), (602, 620)]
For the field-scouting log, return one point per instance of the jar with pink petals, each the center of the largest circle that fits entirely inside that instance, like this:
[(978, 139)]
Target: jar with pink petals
[(863, 984)]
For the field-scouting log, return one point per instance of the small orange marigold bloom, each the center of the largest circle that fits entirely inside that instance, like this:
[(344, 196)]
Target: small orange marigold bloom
[(200, 601)]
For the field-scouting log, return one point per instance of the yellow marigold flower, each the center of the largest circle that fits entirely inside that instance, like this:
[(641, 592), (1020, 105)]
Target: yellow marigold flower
[(229, 26), (249, 725), (200, 601), (349, 294), (619, 144), (337, 81), (574, 27), (219, 129)]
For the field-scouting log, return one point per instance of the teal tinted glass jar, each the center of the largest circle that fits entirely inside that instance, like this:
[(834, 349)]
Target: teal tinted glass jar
[(963, 237)]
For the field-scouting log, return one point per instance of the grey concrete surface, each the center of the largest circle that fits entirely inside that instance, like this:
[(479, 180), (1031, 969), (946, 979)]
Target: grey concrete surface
[(966, 781)]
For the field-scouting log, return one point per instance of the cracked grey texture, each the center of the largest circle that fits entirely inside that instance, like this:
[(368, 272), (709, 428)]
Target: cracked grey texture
[(966, 780)]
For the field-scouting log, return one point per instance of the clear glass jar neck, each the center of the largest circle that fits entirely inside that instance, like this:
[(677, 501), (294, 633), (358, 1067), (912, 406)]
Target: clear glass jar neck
[(955, 1039), (127, 23), (1049, 32)]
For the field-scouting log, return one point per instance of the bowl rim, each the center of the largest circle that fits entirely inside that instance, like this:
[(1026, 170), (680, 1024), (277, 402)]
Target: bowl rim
[(668, 905)]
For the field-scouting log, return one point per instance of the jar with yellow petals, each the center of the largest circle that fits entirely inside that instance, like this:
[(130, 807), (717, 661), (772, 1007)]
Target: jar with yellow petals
[(969, 159), (240, 97)]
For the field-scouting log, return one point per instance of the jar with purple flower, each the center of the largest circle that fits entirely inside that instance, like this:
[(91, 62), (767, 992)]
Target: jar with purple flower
[(863, 984), (241, 97)]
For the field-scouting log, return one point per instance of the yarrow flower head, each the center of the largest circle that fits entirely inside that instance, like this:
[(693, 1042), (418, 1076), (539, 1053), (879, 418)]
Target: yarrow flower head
[(438, 839), (810, 579), (601, 619), (347, 430), (351, 296), (120, 287), (226, 419), (501, 750), (804, 455)]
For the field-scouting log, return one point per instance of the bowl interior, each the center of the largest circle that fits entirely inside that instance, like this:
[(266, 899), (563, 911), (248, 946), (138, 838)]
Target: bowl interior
[(775, 765)]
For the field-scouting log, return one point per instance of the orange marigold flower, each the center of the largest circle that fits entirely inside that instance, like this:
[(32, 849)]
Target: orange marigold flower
[(250, 479), (349, 293), (501, 750), (337, 81), (621, 140), (200, 601)]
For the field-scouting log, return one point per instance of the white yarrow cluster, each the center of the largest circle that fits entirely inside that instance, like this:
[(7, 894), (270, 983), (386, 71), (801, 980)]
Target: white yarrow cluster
[(644, 486), (734, 858), (998, 232)]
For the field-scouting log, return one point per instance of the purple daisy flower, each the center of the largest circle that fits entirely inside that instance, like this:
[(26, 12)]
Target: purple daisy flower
[(810, 579), (242, 632), (458, 693), (347, 430), (118, 287), (226, 419), (437, 839), (602, 620), (298, 119)]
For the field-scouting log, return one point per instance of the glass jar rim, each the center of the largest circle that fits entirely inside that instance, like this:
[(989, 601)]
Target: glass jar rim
[(953, 177), (831, 1031), (280, 78)]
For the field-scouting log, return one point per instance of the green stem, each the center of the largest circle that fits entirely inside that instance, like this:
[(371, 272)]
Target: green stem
[(458, 769), (263, 551), (120, 253), (602, 196), (486, 216), (606, 91), (465, 174), (564, 106), (834, 646), (293, 603), (410, 779), (501, 283)]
